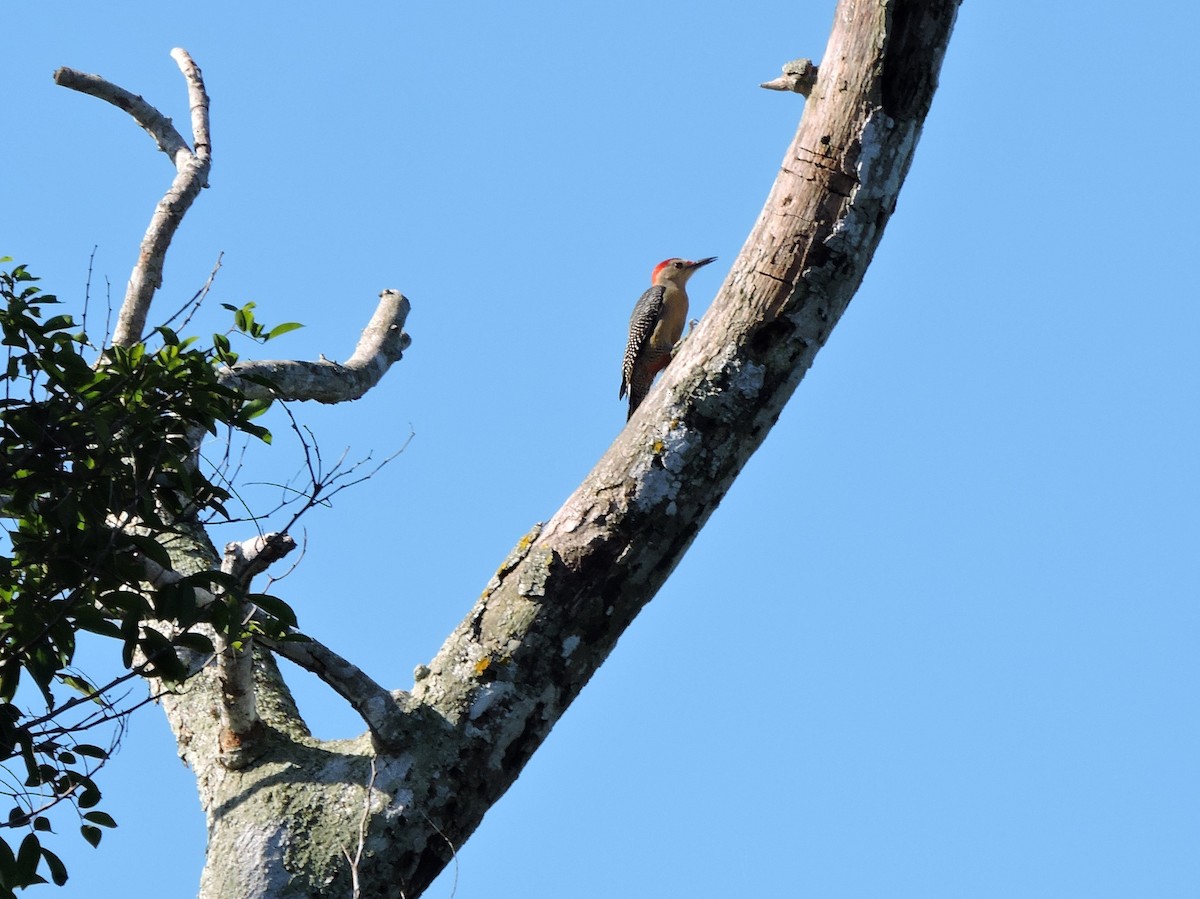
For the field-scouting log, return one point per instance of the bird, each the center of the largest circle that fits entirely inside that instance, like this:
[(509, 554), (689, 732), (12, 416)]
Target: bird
[(656, 326)]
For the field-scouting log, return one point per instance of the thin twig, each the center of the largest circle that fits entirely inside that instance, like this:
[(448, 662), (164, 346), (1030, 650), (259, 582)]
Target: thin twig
[(272, 580), (109, 313), (453, 853), (362, 834), (87, 289), (197, 299)]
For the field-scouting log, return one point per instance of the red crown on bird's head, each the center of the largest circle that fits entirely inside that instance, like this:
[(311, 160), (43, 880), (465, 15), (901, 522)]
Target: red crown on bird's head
[(658, 268)]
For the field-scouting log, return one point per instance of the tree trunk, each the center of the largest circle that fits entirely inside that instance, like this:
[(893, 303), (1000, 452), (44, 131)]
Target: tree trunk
[(288, 818)]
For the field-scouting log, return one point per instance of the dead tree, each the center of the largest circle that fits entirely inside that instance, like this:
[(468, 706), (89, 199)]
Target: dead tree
[(282, 807)]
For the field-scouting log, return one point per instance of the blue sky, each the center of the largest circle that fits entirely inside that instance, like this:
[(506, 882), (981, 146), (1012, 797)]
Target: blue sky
[(940, 638)]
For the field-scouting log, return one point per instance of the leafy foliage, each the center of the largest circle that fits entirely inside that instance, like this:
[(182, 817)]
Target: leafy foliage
[(99, 481)]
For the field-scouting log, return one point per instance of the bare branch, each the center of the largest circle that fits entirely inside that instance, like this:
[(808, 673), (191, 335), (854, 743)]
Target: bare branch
[(157, 576), (250, 557), (382, 343), (798, 76), (382, 710), (157, 125), (192, 168), (197, 102), (235, 663)]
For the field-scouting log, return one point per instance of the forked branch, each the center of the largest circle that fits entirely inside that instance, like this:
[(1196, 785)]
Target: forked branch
[(384, 339), (235, 663), (191, 174)]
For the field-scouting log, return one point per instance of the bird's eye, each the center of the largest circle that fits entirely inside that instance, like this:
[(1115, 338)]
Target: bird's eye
[(678, 264)]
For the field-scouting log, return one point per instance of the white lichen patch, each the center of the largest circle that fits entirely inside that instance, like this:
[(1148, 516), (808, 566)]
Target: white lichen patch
[(746, 378), (466, 666), (266, 843), (857, 224), (487, 696), (879, 180), (874, 134), (661, 482), (515, 724), (877, 131), (654, 485), (569, 645), (400, 801), (395, 767)]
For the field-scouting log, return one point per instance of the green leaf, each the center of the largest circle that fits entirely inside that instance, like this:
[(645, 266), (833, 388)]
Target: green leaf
[(255, 408), (8, 861), (78, 684), (59, 322), (89, 796), (170, 338), (102, 818), (283, 329), (127, 601), (164, 660), (256, 431), (58, 871), (195, 642), (151, 548), (275, 607), (91, 834), (27, 858), (10, 677)]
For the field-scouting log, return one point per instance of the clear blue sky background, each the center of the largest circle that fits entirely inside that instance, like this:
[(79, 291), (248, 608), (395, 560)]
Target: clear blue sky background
[(941, 638)]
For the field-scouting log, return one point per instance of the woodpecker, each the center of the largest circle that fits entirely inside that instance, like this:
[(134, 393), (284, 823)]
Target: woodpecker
[(656, 326)]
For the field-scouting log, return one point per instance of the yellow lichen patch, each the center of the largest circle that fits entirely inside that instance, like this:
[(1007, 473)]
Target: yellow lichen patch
[(514, 558), (658, 447), (482, 665)]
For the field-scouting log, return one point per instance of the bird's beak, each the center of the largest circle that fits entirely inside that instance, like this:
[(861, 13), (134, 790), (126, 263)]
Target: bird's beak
[(700, 262)]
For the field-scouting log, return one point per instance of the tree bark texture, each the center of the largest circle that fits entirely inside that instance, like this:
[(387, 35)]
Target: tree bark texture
[(286, 820)]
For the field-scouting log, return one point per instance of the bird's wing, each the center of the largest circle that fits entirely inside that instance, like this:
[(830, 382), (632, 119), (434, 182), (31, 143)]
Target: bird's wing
[(641, 323)]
